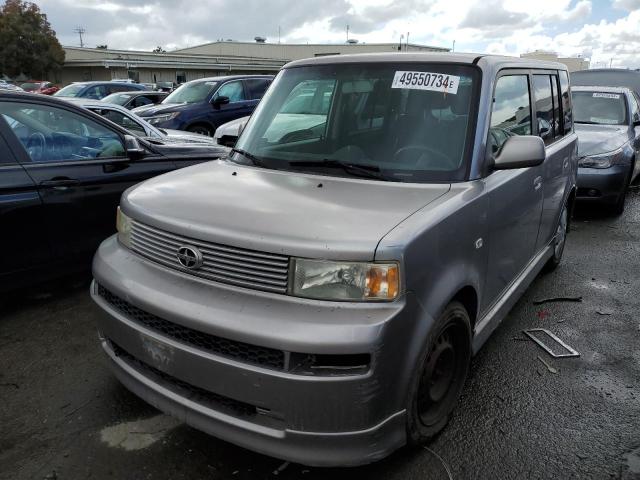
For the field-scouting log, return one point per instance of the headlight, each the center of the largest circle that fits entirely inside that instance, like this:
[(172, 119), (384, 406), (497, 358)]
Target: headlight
[(123, 225), (349, 281), (162, 118), (604, 160)]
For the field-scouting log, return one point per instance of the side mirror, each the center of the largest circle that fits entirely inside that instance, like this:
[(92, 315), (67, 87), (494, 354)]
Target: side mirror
[(133, 147), (218, 101), (520, 151)]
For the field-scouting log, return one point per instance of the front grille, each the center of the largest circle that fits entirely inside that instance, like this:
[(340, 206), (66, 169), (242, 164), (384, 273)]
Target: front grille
[(221, 263), (261, 356), (184, 389)]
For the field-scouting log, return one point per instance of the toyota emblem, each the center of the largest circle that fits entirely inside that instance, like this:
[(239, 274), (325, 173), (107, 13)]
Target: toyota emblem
[(189, 257)]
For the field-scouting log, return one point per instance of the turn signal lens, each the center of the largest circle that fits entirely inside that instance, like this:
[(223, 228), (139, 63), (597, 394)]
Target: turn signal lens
[(123, 225)]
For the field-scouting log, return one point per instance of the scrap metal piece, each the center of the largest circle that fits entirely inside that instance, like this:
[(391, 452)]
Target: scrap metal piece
[(557, 299), (531, 334)]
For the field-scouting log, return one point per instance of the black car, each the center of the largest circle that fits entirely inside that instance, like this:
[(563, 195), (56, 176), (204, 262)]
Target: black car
[(62, 171), (202, 105), (135, 99)]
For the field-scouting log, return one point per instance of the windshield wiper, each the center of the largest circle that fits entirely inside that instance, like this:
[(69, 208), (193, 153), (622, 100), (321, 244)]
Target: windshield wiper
[(361, 170), (255, 160)]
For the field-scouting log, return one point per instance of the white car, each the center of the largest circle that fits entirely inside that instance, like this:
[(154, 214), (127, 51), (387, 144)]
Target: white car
[(10, 86), (136, 125)]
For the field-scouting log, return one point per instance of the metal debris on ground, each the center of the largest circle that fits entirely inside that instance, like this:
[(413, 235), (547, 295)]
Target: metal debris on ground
[(549, 367), (444, 464), (531, 333), (280, 468), (557, 299), (604, 311)]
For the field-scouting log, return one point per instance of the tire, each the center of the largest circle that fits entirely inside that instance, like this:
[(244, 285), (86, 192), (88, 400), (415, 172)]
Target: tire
[(618, 207), (559, 240), (440, 375), (201, 129)]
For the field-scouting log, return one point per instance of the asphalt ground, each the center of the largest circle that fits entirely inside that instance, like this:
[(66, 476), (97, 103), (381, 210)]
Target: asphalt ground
[(64, 416)]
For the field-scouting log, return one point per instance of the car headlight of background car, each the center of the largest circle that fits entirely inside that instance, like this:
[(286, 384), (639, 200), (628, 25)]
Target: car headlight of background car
[(603, 160), (347, 281), (165, 117), (123, 225)]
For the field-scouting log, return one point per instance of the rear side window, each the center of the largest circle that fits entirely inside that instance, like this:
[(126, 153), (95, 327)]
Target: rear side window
[(567, 108), (557, 118), (635, 109), (51, 134), (144, 100), (257, 87), (511, 112), (543, 96)]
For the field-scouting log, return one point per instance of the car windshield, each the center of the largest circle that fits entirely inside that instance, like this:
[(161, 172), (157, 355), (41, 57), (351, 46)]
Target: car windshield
[(72, 90), (117, 98), (30, 86), (600, 108), (192, 92), (399, 122)]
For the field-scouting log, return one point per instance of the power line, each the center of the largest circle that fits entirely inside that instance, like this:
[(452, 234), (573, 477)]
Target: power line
[(80, 30)]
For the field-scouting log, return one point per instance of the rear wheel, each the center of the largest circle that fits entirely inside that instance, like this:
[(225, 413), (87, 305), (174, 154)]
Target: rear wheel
[(201, 129), (440, 375), (559, 240)]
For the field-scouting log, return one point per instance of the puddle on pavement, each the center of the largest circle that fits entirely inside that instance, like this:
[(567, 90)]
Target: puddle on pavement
[(138, 434), (633, 460)]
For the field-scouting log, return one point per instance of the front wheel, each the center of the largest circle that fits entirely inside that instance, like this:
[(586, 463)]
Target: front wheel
[(559, 240), (440, 375)]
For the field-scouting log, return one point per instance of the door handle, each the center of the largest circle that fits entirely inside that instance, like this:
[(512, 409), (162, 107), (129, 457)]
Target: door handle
[(537, 183), (60, 184)]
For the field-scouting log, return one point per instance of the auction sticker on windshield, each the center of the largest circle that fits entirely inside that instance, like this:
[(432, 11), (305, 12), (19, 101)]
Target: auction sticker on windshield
[(606, 95), (436, 82)]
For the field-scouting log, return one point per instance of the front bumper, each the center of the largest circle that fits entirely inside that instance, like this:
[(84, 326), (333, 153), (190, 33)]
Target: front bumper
[(325, 419), (602, 184)]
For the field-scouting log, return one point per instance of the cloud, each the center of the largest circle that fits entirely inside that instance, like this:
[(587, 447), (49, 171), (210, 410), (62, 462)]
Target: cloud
[(628, 5), (495, 26)]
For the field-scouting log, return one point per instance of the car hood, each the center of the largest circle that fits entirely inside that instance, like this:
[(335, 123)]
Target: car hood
[(597, 139), (231, 128), (188, 136), (297, 214), (150, 110)]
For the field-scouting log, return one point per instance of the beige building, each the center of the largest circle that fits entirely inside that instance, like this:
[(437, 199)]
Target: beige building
[(211, 59), (573, 63)]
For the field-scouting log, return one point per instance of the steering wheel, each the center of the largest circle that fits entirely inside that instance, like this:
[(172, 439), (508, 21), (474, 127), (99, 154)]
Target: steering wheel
[(36, 145), (419, 151)]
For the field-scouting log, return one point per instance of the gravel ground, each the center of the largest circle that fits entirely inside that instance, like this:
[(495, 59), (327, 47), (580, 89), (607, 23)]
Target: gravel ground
[(64, 416)]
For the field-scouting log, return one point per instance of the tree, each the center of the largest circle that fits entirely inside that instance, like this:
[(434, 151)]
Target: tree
[(159, 49), (102, 47), (28, 45)]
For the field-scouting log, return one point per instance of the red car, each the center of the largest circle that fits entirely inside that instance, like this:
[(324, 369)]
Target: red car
[(40, 86)]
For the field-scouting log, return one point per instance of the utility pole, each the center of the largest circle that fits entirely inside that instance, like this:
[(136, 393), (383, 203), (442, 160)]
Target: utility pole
[(610, 62), (278, 34), (454, 46), (347, 33), (407, 45), (80, 31)]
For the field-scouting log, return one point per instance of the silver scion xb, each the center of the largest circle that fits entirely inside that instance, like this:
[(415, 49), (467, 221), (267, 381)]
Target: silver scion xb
[(318, 295)]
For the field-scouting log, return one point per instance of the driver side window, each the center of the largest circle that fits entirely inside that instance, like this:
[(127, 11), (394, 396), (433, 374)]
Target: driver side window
[(233, 90), (51, 134), (511, 112)]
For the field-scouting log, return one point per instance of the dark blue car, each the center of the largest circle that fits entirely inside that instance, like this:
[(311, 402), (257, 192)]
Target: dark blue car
[(97, 90), (203, 105)]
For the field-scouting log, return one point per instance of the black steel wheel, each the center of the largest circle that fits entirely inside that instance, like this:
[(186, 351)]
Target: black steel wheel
[(440, 376)]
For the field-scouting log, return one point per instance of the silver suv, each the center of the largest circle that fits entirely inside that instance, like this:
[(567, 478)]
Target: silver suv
[(318, 295)]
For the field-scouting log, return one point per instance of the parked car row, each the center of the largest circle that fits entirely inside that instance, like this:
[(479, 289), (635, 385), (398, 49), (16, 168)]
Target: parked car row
[(375, 221)]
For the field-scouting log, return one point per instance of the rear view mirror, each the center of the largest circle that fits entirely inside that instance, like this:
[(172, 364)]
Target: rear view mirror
[(220, 101), (520, 151), (133, 148)]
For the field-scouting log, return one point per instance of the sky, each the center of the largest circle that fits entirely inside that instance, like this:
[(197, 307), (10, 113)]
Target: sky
[(605, 31)]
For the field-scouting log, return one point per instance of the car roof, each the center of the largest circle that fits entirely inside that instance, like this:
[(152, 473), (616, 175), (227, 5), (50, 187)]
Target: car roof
[(90, 103), (137, 92), (495, 61), (224, 78), (107, 82), (590, 88)]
